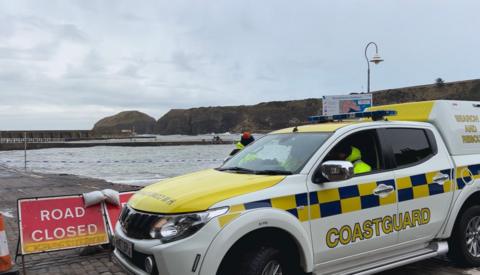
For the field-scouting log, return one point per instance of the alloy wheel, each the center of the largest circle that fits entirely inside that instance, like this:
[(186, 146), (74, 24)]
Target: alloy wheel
[(274, 268), (472, 237)]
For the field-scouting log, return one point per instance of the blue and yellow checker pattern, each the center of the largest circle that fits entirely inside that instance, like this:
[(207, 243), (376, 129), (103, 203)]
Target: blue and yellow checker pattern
[(336, 201), (422, 185), (323, 203), (466, 174)]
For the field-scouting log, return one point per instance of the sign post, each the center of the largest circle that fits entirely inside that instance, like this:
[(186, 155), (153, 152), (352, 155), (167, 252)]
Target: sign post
[(25, 150)]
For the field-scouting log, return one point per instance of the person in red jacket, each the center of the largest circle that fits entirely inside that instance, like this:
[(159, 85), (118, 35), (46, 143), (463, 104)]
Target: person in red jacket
[(245, 140)]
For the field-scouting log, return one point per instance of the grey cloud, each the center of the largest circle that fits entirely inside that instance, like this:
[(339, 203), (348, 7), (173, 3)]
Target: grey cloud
[(59, 30), (71, 32), (105, 56), (131, 17), (43, 50), (130, 70), (38, 52), (93, 63), (182, 61), (91, 67), (12, 76)]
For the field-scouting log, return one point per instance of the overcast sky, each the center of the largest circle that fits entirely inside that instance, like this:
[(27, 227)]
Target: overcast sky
[(66, 64)]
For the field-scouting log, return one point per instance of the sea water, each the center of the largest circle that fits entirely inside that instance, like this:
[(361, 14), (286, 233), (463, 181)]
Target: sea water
[(125, 165)]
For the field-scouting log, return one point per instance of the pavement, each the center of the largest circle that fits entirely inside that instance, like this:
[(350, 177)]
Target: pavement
[(17, 184)]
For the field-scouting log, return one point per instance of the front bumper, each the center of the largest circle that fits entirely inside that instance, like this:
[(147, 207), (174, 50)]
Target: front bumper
[(176, 258), (130, 268)]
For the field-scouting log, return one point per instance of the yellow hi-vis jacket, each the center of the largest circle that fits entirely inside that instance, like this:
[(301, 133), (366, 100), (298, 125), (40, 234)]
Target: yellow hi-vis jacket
[(359, 166), (239, 145)]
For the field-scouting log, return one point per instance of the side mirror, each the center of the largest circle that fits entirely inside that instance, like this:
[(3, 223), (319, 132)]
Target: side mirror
[(335, 170)]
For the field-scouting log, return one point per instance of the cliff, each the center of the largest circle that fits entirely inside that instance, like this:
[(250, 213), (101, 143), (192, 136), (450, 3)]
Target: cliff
[(128, 120), (279, 114), (258, 118), (459, 90)]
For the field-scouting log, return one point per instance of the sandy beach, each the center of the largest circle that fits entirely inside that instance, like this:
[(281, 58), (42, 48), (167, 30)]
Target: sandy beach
[(16, 184)]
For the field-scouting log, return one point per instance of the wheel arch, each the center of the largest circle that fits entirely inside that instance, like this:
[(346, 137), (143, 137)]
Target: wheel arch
[(269, 236), (266, 224), (469, 200)]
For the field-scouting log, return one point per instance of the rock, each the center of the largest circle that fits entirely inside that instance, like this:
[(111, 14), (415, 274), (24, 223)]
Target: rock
[(262, 117), (459, 90), (128, 120), (269, 116)]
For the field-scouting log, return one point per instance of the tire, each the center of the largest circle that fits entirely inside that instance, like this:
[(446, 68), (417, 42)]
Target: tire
[(263, 260), (467, 229)]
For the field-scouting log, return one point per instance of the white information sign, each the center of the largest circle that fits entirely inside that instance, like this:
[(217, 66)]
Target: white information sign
[(340, 104)]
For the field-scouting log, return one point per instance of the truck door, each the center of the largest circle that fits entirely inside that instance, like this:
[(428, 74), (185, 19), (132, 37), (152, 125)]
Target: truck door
[(423, 177), (351, 219)]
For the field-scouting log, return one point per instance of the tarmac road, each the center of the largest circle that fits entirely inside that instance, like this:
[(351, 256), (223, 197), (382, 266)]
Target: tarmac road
[(16, 184)]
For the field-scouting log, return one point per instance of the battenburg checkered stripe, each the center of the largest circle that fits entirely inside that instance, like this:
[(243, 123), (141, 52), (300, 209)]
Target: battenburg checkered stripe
[(331, 202), (324, 203), (465, 175), (422, 185)]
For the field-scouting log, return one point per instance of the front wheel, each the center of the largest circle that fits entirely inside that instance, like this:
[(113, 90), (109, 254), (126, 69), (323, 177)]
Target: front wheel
[(265, 260), (465, 240)]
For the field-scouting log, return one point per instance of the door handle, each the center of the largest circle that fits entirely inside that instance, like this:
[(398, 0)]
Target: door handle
[(383, 190), (440, 178)]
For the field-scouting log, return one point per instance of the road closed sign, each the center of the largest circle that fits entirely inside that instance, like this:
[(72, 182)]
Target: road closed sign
[(56, 223)]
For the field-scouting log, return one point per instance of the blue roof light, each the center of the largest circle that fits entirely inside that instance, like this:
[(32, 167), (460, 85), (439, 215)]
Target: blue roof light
[(375, 115)]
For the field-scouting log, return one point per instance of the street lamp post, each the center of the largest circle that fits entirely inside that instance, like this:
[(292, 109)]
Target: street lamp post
[(375, 59)]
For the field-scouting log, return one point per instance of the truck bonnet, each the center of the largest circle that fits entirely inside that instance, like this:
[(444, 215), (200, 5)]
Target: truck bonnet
[(198, 191)]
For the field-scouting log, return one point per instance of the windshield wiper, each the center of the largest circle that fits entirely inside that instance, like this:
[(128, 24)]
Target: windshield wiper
[(273, 172), (237, 169), (258, 172)]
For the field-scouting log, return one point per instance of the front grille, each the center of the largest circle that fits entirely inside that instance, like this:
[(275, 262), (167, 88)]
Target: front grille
[(137, 224)]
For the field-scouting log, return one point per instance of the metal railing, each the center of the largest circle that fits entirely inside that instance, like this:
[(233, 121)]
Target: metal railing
[(31, 140)]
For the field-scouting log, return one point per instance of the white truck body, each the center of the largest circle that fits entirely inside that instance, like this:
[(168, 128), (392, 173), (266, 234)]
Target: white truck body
[(457, 121), (406, 209)]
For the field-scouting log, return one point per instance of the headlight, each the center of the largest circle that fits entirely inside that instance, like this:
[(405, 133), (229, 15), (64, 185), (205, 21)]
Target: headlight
[(171, 228)]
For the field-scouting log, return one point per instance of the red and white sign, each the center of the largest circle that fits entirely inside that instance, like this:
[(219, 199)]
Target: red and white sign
[(55, 223), (113, 211)]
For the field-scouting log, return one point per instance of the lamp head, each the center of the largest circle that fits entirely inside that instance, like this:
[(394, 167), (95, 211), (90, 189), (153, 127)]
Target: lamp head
[(376, 59)]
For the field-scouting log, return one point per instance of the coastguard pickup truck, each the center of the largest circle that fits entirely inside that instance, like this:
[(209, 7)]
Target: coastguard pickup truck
[(290, 203)]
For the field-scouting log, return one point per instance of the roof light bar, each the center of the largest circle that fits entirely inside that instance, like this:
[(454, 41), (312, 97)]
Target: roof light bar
[(374, 115)]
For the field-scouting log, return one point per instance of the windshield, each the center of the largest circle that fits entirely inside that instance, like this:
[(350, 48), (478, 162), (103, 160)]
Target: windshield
[(276, 154)]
